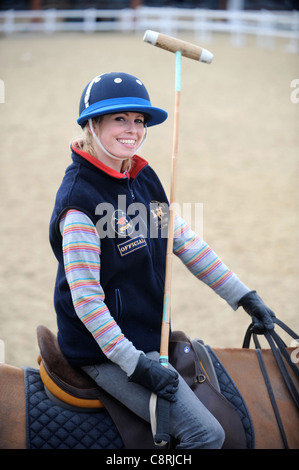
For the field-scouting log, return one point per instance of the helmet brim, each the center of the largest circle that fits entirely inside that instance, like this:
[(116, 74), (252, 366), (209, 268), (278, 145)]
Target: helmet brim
[(155, 115)]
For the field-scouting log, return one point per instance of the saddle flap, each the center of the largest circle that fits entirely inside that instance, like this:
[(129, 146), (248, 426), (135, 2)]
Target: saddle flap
[(185, 359), (196, 349)]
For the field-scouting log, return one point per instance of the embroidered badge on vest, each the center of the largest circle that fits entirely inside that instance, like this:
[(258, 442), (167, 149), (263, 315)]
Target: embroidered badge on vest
[(131, 245), (122, 224), (160, 214)]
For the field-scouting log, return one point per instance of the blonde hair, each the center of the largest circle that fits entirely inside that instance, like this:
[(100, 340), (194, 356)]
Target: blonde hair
[(86, 144)]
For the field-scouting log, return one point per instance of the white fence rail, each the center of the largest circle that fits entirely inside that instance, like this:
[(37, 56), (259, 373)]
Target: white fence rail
[(264, 25)]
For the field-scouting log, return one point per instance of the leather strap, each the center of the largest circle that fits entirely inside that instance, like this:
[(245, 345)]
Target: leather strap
[(272, 397), (279, 350)]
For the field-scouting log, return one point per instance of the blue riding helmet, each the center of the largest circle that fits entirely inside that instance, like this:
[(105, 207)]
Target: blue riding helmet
[(117, 92)]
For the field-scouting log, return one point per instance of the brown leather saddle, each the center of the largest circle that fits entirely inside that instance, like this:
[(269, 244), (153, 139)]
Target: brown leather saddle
[(72, 387)]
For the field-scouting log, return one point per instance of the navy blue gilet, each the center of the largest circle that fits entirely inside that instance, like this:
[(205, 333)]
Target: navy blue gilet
[(132, 267)]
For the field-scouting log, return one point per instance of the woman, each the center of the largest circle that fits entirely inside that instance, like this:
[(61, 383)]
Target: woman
[(107, 232)]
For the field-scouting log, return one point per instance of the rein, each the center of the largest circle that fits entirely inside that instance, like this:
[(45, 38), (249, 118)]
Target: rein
[(279, 350)]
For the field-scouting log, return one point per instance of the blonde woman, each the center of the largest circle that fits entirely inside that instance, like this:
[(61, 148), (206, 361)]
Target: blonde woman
[(108, 235)]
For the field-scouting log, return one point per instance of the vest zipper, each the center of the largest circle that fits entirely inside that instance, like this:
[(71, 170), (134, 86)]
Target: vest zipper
[(144, 222), (132, 194)]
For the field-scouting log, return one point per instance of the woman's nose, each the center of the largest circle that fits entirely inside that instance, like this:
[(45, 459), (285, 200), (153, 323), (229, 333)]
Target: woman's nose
[(131, 126)]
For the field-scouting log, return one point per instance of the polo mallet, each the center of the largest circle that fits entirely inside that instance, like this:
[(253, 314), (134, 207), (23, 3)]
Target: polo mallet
[(191, 51)]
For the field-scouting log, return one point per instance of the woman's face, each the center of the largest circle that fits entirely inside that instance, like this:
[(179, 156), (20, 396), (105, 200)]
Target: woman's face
[(120, 134)]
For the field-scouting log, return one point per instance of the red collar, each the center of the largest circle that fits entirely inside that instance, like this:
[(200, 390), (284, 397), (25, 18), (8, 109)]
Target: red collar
[(137, 164)]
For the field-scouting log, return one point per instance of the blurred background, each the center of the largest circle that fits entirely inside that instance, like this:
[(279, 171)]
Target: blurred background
[(238, 146)]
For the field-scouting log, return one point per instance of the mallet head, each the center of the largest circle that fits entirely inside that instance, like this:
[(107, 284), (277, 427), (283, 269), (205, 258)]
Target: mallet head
[(171, 44)]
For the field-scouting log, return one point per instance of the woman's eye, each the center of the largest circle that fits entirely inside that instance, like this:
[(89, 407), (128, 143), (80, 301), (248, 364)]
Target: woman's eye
[(122, 119)]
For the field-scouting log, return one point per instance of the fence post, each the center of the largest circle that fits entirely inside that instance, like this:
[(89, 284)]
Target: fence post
[(265, 34), (9, 24), (237, 33), (167, 21), (201, 27), (89, 20), (127, 20), (293, 45), (50, 21)]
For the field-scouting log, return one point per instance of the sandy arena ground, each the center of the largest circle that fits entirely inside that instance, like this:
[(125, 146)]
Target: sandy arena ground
[(238, 156)]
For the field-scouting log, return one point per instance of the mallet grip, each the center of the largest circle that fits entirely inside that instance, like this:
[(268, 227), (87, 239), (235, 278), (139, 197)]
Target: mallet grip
[(171, 44)]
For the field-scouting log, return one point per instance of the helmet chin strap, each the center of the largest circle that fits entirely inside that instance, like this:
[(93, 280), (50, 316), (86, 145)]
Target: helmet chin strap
[(105, 150)]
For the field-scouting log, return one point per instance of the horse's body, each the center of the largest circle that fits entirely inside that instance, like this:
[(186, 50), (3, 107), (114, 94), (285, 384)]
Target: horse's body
[(12, 408), (242, 365)]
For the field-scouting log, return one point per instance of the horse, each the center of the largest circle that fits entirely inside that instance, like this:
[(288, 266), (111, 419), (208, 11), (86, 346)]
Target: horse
[(243, 367)]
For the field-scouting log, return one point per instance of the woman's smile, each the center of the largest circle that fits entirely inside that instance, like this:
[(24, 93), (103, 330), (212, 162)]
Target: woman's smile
[(128, 142), (121, 135)]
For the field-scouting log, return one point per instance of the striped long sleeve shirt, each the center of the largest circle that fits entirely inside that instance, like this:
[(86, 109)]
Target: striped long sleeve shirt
[(82, 263)]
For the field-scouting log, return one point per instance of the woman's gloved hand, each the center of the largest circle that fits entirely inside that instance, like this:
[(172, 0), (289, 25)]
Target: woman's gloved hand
[(152, 375), (261, 314)]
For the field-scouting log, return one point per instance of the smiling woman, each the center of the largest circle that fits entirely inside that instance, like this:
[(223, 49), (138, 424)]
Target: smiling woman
[(114, 137), (110, 283)]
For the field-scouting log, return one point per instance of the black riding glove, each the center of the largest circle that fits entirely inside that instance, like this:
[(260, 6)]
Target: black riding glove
[(164, 382), (260, 313)]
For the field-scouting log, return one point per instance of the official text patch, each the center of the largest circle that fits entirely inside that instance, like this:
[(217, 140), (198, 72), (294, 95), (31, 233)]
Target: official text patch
[(131, 245)]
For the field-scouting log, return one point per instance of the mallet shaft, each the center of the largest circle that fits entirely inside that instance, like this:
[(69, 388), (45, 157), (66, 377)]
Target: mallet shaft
[(171, 44), (168, 273)]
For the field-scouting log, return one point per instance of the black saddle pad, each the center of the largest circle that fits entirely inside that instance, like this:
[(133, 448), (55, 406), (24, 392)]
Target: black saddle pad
[(49, 426), (230, 391)]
